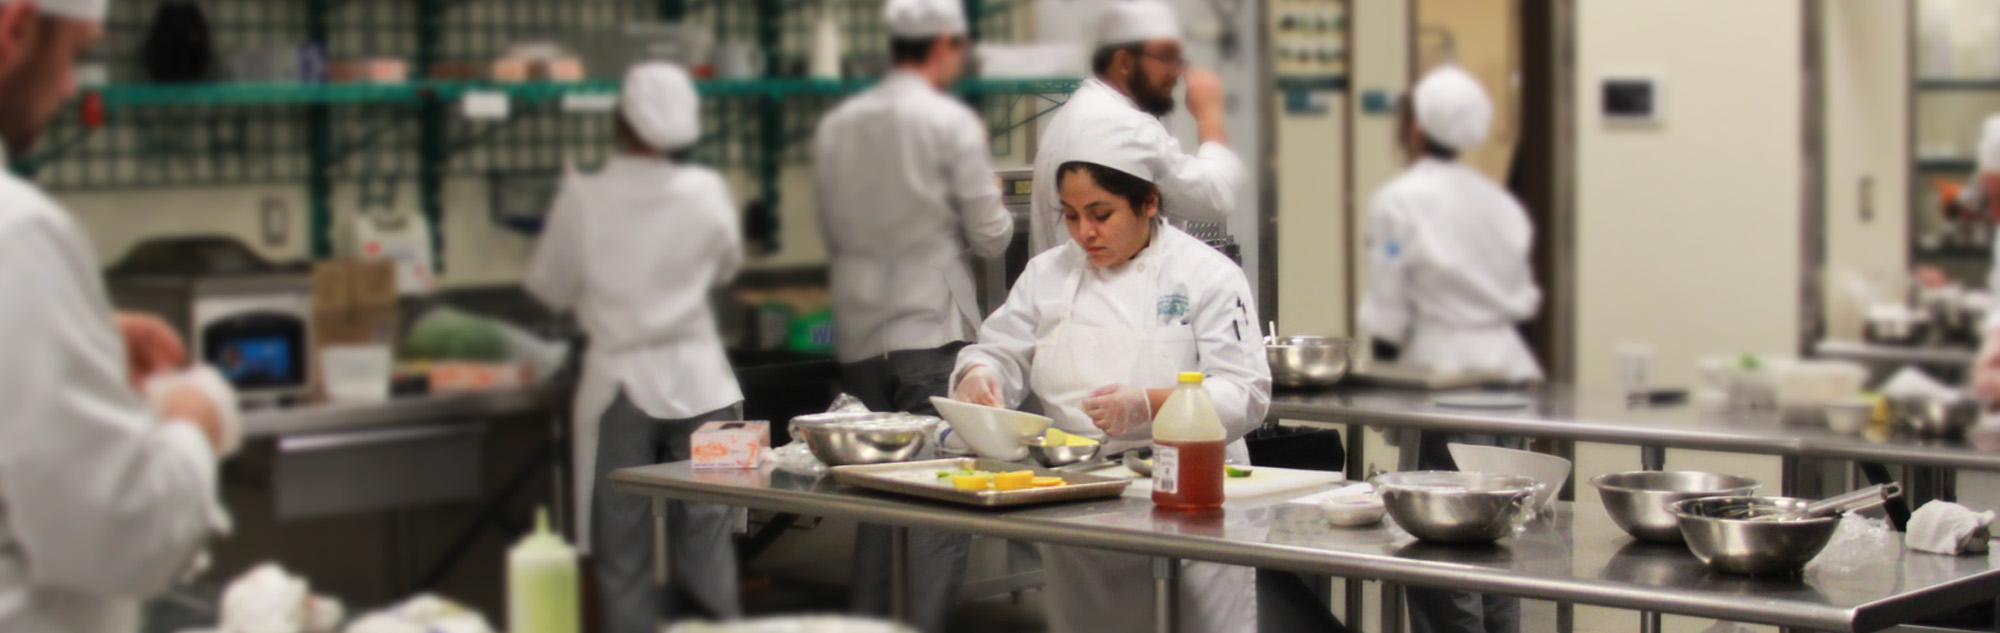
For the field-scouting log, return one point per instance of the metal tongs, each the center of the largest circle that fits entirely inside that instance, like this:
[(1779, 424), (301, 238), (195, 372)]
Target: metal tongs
[(1864, 499)]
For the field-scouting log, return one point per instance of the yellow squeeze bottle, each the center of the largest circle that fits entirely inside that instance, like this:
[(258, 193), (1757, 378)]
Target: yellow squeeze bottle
[(542, 583)]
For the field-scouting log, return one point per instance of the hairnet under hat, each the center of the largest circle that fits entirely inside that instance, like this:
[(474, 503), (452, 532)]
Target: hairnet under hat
[(1134, 21), (92, 10), (919, 19), (660, 103), (1989, 145), (1453, 109)]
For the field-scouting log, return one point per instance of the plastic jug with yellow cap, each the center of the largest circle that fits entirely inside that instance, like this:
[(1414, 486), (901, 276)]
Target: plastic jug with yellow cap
[(1188, 444)]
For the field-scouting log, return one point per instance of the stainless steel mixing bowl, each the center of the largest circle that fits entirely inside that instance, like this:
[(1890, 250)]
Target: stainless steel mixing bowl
[(1934, 417), (1309, 362), (1752, 546), (1061, 455), (1639, 502), (853, 439), (1457, 507)]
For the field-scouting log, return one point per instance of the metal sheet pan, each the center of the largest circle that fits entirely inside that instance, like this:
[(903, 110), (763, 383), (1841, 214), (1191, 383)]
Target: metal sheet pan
[(920, 479)]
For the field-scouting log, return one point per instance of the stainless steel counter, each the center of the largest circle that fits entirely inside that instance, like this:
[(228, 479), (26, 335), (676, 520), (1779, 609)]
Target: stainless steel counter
[(345, 417), (1582, 559), (1563, 413), (1953, 357)]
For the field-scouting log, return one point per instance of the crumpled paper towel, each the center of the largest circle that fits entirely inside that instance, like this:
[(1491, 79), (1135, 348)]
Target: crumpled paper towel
[(220, 393), (1943, 527), (1914, 383), (267, 599)]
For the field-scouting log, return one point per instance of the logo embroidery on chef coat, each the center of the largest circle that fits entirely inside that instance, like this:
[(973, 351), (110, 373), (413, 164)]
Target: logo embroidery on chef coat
[(1172, 309)]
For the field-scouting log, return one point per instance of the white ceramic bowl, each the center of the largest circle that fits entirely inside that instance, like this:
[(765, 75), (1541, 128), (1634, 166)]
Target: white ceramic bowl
[(992, 432), (1548, 470)]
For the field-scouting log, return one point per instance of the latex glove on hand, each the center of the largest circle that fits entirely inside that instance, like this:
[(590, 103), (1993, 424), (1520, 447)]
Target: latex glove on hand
[(1119, 409), (151, 347), (980, 385)]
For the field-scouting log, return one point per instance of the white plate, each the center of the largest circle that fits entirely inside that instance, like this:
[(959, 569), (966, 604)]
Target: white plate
[(1483, 401)]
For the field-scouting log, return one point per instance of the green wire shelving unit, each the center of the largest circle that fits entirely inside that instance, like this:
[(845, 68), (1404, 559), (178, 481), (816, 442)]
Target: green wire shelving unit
[(372, 135)]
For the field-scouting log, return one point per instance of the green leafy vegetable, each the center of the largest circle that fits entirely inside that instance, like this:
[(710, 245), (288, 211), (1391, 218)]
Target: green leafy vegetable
[(1235, 473)]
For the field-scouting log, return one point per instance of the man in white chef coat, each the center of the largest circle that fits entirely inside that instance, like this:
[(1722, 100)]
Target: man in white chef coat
[(907, 196), (1137, 65), (635, 251), (1448, 283), (105, 499)]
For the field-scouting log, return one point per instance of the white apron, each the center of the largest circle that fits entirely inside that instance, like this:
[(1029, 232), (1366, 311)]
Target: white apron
[(1094, 591), (596, 389), (1441, 346)]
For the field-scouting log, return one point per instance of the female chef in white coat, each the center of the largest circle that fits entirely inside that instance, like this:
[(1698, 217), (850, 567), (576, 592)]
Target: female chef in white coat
[(1098, 329), (1448, 282), (635, 250)]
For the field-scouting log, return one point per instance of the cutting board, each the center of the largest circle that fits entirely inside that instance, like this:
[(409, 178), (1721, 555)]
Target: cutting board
[(1263, 481)]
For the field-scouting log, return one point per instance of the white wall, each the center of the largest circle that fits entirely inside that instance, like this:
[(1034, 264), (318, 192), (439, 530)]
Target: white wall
[(1865, 46), (1687, 231)]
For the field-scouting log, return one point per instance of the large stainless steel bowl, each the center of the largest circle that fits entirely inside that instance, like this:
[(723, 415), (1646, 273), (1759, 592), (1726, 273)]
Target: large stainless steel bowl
[(1457, 507), (854, 439), (1934, 417), (1639, 502), (1309, 362), (1751, 545)]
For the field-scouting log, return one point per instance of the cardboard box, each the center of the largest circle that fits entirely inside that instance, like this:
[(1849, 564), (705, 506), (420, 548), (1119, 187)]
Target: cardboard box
[(331, 286), (344, 285), (730, 445), (371, 284)]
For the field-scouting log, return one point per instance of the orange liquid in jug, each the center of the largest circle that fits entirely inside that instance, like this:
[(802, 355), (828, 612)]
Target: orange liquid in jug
[(1187, 475)]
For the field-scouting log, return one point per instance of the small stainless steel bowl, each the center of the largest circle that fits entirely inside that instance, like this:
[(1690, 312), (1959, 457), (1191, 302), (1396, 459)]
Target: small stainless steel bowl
[(854, 439), (1309, 362), (1752, 546), (1935, 417), (1639, 502), (1457, 507), (1060, 456)]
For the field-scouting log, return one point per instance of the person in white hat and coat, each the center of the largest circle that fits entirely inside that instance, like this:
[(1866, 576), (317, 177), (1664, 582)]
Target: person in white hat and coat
[(1982, 196), (1449, 282), (107, 495), (635, 250), (1137, 65), (1098, 329), (906, 198)]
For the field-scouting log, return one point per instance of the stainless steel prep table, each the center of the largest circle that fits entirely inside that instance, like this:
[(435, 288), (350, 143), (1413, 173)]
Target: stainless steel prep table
[(1582, 559), (1563, 413), (319, 418)]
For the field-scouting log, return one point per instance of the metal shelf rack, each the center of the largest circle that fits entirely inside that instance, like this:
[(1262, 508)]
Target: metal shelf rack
[(214, 134)]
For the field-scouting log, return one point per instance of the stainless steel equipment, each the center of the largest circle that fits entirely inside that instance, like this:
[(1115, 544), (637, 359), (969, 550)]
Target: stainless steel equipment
[(1898, 332), (1017, 187), (1457, 507), (1639, 502), (920, 479), (846, 439), (1063, 455), (1752, 546), (1309, 362), (1934, 417), (250, 319)]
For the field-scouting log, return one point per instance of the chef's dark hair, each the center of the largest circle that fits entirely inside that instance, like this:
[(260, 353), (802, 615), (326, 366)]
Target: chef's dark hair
[(1100, 62), (1135, 190), (914, 50), (1406, 112), (630, 139)]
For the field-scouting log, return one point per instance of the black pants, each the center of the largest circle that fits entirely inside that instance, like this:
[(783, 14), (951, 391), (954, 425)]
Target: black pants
[(905, 381), (1445, 610)]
